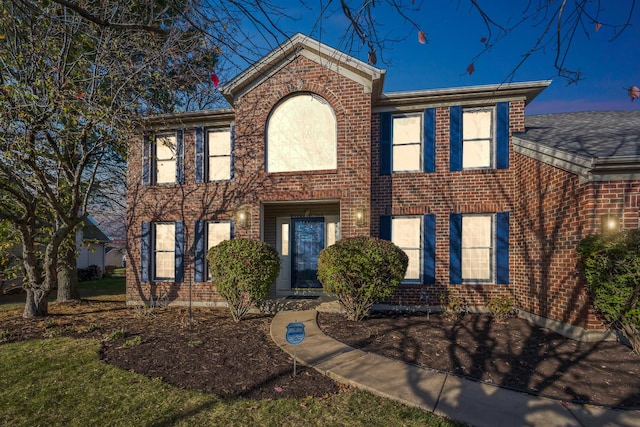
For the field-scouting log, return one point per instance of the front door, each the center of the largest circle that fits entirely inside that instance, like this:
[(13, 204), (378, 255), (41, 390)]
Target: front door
[(307, 240)]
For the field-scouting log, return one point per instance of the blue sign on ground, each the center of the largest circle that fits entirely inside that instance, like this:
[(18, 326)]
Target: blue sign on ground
[(295, 333)]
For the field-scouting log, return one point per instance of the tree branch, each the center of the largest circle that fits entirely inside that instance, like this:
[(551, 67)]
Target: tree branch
[(105, 23)]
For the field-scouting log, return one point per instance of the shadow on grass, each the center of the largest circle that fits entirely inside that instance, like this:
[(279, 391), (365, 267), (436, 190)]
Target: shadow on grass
[(105, 290)]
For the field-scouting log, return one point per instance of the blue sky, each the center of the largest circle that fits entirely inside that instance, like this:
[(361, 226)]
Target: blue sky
[(455, 30)]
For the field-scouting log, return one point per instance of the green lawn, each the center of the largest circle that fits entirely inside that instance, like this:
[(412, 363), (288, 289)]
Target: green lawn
[(104, 289), (60, 381)]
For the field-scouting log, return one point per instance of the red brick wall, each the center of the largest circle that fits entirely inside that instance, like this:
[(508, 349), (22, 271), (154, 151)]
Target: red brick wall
[(441, 193), (555, 212), (252, 185), (550, 209)]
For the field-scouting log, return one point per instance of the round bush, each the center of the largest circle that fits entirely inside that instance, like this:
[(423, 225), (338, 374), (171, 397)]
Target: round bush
[(361, 271), (243, 271)]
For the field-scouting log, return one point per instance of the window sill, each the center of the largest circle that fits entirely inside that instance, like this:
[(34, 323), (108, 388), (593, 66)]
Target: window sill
[(312, 172)]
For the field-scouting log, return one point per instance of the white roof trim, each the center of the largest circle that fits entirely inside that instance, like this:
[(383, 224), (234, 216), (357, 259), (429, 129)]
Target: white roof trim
[(588, 169), (573, 163), (314, 50)]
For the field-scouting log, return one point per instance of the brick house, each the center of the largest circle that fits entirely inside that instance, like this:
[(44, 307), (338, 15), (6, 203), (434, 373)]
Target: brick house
[(313, 151)]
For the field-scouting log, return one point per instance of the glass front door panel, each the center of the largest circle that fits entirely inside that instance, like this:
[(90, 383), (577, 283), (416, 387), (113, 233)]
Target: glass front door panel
[(307, 238)]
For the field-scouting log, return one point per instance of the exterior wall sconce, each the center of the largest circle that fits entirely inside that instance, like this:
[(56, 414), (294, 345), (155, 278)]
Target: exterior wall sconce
[(609, 223), (359, 215), (243, 218)]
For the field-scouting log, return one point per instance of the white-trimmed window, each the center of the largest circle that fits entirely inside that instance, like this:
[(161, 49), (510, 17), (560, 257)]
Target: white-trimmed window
[(216, 232), (301, 135), (477, 138), (164, 251), (477, 248), (164, 148), (406, 140), (406, 233), (219, 155)]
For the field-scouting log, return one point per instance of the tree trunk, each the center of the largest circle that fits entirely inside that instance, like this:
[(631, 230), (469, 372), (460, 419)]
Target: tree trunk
[(37, 304), (67, 277), (67, 284)]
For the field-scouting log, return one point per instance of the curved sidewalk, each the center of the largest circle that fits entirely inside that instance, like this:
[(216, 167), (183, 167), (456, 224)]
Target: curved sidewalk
[(460, 399)]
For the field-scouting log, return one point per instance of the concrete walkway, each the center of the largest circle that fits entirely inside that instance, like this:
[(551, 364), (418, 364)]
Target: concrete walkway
[(447, 395)]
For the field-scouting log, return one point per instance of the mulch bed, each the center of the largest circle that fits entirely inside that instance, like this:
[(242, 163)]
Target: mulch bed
[(212, 353), (514, 354)]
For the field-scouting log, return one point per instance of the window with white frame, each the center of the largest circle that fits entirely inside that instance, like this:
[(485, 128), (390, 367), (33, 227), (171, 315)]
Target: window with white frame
[(407, 142), (164, 250), (406, 233), (477, 248), (165, 158), (302, 135), (217, 231), (477, 138), (219, 155)]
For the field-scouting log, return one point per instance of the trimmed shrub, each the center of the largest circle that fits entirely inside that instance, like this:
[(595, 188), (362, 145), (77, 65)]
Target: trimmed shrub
[(453, 305), (501, 308), (361, 271), (243, 271), (611, 266)]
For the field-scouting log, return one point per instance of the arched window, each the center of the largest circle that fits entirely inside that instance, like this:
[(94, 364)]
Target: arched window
[(301, 135)]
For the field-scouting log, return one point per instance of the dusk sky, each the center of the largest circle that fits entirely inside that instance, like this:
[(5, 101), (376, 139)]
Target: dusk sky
[(454, 32)]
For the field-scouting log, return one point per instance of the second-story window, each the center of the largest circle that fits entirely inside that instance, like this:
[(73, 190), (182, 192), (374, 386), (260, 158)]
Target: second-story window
[(301, 135), (165, 158), (477, 138), (407, 142), (219, 155)]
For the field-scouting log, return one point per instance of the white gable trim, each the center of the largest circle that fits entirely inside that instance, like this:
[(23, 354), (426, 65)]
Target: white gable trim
[(369, 77)]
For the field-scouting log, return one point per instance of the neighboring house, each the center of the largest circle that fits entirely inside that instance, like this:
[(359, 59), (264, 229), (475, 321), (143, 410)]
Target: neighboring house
[(91, 242), (115, 254), (314, 151)]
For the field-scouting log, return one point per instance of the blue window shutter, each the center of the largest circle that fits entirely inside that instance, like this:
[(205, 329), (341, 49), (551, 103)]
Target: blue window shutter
[(199, 160), (502, 135), (385, 143), (179, 236), (145, 251), (199, 253), (231, 230), (429, 249), (180, 156), (385, 227), (146, 160), (455, 135), (233, 151), (502, 248), (455, 249), (429, 148)]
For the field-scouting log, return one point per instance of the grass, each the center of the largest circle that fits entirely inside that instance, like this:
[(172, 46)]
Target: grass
[(112, 288), (60, 381)]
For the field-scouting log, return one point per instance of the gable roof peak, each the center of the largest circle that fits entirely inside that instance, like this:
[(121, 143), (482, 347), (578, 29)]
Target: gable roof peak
[(370, 77)]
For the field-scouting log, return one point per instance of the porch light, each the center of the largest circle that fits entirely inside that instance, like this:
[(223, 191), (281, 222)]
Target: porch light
[(243, 218), (359, 217), (609, 223)]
